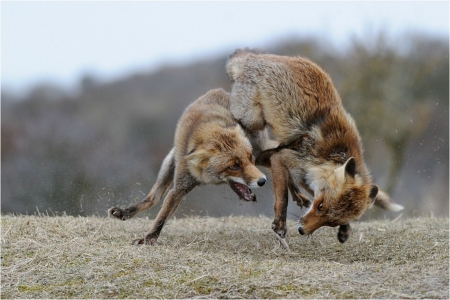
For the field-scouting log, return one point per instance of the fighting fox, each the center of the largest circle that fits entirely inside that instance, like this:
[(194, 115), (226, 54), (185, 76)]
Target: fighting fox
[(319, 147), (210, 147)]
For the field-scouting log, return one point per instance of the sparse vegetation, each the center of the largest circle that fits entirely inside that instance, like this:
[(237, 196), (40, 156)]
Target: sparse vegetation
[(231, 257)]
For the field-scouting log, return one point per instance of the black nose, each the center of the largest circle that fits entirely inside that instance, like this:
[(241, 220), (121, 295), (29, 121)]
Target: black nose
[(261, 182), (300, 230)]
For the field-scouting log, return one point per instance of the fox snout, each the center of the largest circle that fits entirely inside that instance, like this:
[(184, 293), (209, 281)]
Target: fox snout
[(300, 229), (242, 186), (309, 226), (254, 177), (261, 181), (300, 226), (303, 228), (258, 182)]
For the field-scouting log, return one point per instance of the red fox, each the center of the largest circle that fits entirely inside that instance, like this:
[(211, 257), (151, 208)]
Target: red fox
[(209, 147), (319, 145)]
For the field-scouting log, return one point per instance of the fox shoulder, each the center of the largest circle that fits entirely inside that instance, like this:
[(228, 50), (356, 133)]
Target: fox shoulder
[(236, 61)]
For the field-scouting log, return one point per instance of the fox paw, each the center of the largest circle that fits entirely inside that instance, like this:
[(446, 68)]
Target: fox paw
[(144, 241), (301, 199), (122, 214), (280, 230)]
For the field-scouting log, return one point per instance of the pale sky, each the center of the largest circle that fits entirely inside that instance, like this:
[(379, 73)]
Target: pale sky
[(60, 41)]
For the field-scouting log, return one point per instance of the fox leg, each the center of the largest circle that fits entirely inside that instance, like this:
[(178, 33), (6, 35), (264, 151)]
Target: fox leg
[(170, 205), (244, 107), (162, 184), (300, 198), (280, 175), (260, 141), (264, 159)]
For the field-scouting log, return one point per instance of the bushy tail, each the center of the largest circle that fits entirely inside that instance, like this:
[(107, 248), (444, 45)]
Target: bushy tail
[(162, 184), (385, 202)]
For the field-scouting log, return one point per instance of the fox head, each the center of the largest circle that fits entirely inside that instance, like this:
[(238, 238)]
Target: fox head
[(344, 198), (227, 158)]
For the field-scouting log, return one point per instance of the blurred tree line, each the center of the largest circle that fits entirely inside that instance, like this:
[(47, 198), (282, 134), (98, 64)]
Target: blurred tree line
[(83, 153)]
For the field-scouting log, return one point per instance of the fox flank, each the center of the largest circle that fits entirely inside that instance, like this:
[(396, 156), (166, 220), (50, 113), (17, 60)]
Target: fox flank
[(210, 148)]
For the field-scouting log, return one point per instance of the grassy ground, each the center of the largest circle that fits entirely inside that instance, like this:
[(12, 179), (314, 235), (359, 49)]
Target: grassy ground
[(233, 257)]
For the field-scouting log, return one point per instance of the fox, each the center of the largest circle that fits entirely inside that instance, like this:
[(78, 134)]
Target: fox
[(210, 147), (319, 146)]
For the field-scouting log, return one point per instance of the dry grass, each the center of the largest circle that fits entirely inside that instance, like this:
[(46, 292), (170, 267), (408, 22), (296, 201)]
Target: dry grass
[(233, 257)]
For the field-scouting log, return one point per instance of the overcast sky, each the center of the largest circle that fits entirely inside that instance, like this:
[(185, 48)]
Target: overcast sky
[(60, 41)]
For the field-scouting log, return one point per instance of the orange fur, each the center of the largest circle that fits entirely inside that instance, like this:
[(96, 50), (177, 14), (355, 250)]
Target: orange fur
[(319, 147), (209, 148)]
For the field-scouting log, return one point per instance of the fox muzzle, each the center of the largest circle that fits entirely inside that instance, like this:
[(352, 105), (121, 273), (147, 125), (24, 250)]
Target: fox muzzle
[(261, 181), (300, 230)]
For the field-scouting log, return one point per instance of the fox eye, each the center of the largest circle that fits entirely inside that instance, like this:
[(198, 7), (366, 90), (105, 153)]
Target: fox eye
[(235, 167), (320, 206)]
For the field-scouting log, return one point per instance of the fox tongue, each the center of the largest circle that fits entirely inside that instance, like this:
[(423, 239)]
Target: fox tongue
[(242, 191)]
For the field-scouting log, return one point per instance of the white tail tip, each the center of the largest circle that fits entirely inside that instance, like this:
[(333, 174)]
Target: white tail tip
[(394, 207)]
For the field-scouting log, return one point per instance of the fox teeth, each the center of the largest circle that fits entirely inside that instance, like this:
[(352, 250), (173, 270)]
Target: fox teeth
[(243, 191)]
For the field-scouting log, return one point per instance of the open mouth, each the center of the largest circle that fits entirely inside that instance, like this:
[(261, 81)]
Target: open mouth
[(243, 191)]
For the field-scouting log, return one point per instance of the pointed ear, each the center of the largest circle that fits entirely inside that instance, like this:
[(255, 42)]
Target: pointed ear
[(350, 167), (197, 158), (347, 170), (385, 202)]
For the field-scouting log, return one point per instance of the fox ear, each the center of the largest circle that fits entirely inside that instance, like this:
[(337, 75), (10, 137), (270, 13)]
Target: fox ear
[(197, 160), (385, 202), (347, 170), (350, 167)]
